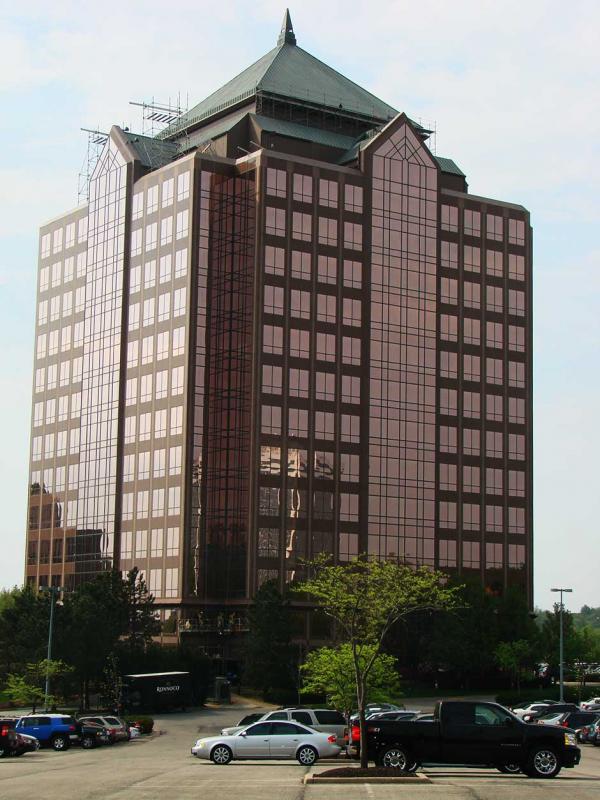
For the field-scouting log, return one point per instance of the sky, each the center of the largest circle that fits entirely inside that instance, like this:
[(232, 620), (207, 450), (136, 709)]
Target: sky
[(512, 89)]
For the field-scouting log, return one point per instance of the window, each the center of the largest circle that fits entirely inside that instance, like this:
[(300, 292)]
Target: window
[(298, 422), (516, 410), (494, 407), (493, 555), (57, 240), (493, 480), (64, 373), (44, 278), (271, 420), (45, 245), (300, 304), (516, 374), (493, 444), (326, 308), (152, 199), (449, 218), (516, 338), (270, 460), (54, 308), (179, 301), (69, 269), (276, 182), (516, 520), (350, 389), (352, 236), (325, 386), (137, 208), (471, 441), (351, 350), (449, 255), (516, 267), (299, 343), (349, 467), (298, 383), (493, 371), (273, 300), (471, 368), (447, 439), (353, 198), (516, 556), (494, 334), (472, 259), (43, 312), (471, 404), (303, 188), (516, 483), (325, 347), (171, 582), (147, 351), (350, 428), (447, 553), (324, 425), (328, 231), (175, 460), (181, 257), (352, 274), (471, 332), (151, 236), (176, 381), (158, 466), (472, 221), (174, 502), (516, 446), (471, 481), (301, 226), (470, 516), (67, 309), (275, 221), (301, 265), (326, 269), (328, 193), (130, 425), (448, 402), (56, 274), (449, 291), (352, 312), (160, 424), (182, 224), (348, 507), (493, 299), (268, 501), (274, 260), (516, 302), (183, 186), (78, 334), (166, 231), (448, 327), (271, 379), (447, 477), (42, 344), (516, 231), (145, 426), (131, 392), (162, 384), (470, 555), (148, 311), (143, 466), (448, 364), (168, 188), (447, 514), (494, 227), (494, 263)]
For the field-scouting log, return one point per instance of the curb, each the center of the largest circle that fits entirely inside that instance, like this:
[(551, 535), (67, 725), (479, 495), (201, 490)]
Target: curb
[(320, 779)]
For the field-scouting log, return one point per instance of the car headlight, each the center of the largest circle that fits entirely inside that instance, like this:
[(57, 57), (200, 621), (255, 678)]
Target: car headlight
[(199, 743), (570, 740)]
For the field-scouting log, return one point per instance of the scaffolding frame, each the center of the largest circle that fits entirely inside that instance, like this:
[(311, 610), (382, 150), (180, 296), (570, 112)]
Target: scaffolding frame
[(95, 144)]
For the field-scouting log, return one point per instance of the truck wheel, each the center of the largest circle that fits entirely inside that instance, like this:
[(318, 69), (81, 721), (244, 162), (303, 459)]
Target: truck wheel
[(396, 758), (60, 743), (509, 769), (221, 754), (542, 762)]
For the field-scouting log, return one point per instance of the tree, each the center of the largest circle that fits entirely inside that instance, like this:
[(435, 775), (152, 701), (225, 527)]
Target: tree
[(365, 599), (29, 688), (514, 658), (142, 623), (269, 654), (330, 671)]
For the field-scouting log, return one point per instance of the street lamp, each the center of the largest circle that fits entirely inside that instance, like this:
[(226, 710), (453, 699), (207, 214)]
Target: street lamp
[(562, 665), (53, 591)]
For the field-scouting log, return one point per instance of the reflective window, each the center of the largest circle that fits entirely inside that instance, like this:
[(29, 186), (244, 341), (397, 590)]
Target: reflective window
[(494, 263), (274, 260), (328, 231), (276, 182), (472, 222), (353, 198), (449, 220), (301, 226), (275, 221), (301, 265), (328, 193), (303, 188)]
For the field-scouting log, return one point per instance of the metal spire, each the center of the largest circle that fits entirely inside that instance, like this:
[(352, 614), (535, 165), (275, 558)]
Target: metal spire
[(286, 35)]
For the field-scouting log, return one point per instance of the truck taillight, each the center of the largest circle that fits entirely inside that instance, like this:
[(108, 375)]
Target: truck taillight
[(332, 739), (355, 733)]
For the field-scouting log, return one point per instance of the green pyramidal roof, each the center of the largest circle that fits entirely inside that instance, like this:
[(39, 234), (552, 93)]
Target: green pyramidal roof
[(290, 72)]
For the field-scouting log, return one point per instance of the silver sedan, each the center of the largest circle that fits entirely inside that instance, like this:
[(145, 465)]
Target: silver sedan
[(273, 740)]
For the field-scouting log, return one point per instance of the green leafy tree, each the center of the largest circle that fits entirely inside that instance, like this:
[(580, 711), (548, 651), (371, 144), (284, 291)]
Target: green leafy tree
[(29, 688), (24, 616), (111, 685), (330, 671), (22, 692), (142, 623), (514, 658), (365, 599), (269, 654)]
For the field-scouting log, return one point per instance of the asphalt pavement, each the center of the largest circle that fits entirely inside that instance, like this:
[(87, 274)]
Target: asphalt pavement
[(162, 768)]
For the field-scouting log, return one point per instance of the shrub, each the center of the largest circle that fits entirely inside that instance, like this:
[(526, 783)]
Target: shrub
[(145, 724)]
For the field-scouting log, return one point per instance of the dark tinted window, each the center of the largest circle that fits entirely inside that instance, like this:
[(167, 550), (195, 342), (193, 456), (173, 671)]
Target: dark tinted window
[(44, 721), (67, 721), (303, 717), (329, 718), (459, 714), (112, 720), (249, 718), (278, 715), (262, 729), (283, 729), (30, 722)]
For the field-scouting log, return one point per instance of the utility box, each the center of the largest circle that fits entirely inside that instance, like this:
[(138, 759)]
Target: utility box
[(157, 691)]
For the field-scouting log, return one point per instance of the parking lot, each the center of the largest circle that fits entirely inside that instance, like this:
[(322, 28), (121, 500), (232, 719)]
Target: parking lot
[(161, 768)]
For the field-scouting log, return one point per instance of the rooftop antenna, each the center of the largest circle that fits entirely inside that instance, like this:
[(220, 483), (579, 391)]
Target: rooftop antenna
[(95, 144)]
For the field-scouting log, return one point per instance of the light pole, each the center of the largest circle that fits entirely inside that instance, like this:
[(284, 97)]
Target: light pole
[(53, 591), (562, 665)]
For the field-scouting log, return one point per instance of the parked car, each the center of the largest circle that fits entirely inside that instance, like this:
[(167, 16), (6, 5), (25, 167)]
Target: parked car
[(477, 734), (92, 734), (554, 708), (592, 701), (591, 734), (115, 728), (58, 731), (8, 741), (273, 740), (243, 723), (24, 743), (569, 719), (321, 719)]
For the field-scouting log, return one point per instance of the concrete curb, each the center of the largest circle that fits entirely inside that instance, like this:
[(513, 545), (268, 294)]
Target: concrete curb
[(320, 779)]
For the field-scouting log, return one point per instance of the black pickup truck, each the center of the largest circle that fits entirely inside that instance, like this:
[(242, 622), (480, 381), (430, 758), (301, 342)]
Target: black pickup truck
[(476, 734)]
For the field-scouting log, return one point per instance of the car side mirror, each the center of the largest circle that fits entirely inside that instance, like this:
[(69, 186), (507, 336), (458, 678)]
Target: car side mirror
[(243, 733)]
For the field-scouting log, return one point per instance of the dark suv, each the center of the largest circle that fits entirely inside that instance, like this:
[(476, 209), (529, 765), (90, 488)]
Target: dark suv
[(52, 730)]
